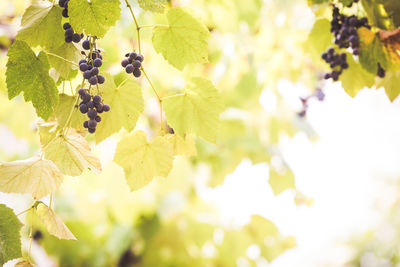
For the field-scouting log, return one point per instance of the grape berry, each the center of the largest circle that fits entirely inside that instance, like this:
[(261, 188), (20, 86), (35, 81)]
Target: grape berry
[(64, 4), (92, 106), (132, 63), (70, 36)]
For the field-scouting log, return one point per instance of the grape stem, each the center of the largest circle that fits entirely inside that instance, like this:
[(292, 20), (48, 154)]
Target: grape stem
[(144, 72), (25, 211), (136, 23), (152, 26), (66, 60)]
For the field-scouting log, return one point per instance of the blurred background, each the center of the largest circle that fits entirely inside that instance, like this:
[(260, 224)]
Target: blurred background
[(302, 174)]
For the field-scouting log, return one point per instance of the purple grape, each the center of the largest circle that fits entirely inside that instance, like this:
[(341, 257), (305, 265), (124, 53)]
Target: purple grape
[(124, 62), (83, 108), (95, 71), (83, 67), (85, 124), (86, 44), (68, 39), (85, 98), (106, 108), (92, 124), (93, 80), (101, 79), (82, 61), (98, 119), (76, 37), (81, 91), (129, 68), (99, 108), (97, 62), (137, 64), (87, 74), (92, 130), (66, 26), (92, 114), (90, 104), (140, 58), (65, 13), (137, 73), (133, 56), (97, 99)]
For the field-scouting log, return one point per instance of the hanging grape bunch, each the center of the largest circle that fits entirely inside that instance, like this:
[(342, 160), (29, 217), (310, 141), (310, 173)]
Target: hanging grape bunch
[(132, 63), (90, 65), (92, 106), (344, 28), (64, 4)]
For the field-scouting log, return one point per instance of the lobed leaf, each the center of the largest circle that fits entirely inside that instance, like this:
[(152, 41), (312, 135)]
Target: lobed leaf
[(53, 223), (29, 73), (10, 238), (142, 160), (196, 110), (36, 176), (184, 41)]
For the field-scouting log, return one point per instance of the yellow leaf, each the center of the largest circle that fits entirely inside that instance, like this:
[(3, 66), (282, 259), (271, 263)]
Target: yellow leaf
[(36, 176), (126, 102), (71, 154), (196, 110), (53, 223), (143, 160), (182, 146)]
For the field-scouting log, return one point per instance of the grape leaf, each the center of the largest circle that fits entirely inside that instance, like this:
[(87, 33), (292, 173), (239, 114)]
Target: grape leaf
[(319, 38), (196, 110), (184, 41), (94, 17), (41, 25), (24, 263), (346, 2), (28, 73), (63, 111), (391, 41), (279, 182), (182, 146), (141, 160), (391, 83), (153, 5), (53, 223), (126, 102), (371, 51), (10, 238), (64, 69), (36, 176), (355, 77), (71, 154)]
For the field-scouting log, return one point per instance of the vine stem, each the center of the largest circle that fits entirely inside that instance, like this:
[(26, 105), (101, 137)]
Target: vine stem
[(22, 212), (66, 60), (136, 23)]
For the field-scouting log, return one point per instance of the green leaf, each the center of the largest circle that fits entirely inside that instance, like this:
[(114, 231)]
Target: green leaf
[(36, 176), (371, 51), (196, 110), (346, 2), (317, 2), (280, 181), (41, 25), (63, 111), (63, 68), (153, 5), (319, 39), (30, 74), (141, 160), (10, 238), (71, 154), (391, 83), (53, 223), (184, 146), (126, 102), (94, 17), (184, 41), (355, 77)]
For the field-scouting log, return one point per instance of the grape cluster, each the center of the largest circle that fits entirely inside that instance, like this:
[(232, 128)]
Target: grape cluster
[(336, 61), (64, 4), (132, 63), (90, 66), (92, 106), (70, 36)]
